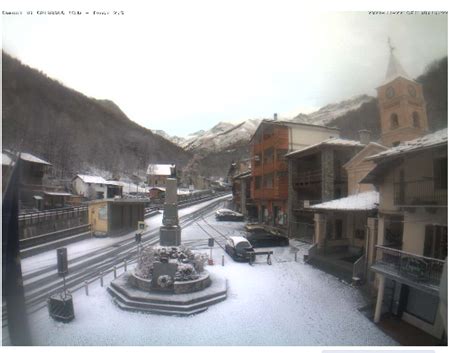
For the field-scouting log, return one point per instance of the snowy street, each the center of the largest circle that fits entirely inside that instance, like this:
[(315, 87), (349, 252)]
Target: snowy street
[(287, 303)]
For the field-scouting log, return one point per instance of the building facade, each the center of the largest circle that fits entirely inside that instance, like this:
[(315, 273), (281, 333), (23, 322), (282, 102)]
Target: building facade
[(316, 175), (272, 140), (95, 187), (412, 239), (157, 174)]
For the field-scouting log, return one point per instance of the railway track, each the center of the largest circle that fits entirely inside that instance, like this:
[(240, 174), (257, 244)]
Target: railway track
[(219, 237), (43, 281)]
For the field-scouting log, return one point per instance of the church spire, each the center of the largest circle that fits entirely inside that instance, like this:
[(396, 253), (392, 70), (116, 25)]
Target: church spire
[(394, 68)]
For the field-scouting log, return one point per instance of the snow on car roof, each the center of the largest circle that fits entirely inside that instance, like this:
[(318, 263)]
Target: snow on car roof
[(237, 239), (224, 210)]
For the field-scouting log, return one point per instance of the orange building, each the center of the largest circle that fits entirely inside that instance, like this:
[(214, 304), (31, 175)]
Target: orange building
[(272, 140)]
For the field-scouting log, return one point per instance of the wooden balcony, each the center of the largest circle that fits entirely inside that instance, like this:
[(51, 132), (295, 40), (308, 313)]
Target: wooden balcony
[(276, 193), (275, 141), (306, 179), (415, 270), (419, 193)]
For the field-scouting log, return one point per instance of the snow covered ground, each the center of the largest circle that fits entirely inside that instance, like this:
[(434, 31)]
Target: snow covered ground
[(288, 303), (83, 247)]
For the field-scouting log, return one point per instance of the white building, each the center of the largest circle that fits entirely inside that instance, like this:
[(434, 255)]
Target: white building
[(95, 187)]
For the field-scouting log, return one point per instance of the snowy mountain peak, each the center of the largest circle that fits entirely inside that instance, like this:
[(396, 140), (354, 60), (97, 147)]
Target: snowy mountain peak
[(221, 127), (329, 112)]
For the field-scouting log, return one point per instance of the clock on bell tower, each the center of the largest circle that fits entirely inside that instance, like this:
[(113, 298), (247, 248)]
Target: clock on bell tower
[(401, 105)]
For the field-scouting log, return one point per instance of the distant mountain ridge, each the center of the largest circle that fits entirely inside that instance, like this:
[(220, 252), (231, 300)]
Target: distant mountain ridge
[(327, 114), (74, 132)]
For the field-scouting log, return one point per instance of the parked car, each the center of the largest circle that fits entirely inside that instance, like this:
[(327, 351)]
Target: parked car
[(259, 236), (239, 249), (225, 214)]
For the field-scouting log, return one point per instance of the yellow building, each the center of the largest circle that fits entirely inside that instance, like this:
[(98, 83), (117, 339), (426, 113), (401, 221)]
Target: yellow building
[(116, 216)]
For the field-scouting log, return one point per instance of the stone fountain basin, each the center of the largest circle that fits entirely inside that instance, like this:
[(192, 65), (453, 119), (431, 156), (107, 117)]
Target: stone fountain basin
[(179, 287)]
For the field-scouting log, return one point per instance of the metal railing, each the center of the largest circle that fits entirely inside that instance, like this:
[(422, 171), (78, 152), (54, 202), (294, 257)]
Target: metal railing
[(358, 268), (54, 236), (419, 193), (41, 215), (419, 268)]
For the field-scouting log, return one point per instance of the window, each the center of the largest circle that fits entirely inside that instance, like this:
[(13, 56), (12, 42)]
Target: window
[(257, 159), (338, 228), (268, 155), (268, 181), (103, 213), (440, 173), (281, 154), (394, 121), (436, 242), (393, 230), (258, 182), (416, 119)]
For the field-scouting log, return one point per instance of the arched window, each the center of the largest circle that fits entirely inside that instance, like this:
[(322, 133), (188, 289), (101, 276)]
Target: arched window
[(416, 119), (394, 121)]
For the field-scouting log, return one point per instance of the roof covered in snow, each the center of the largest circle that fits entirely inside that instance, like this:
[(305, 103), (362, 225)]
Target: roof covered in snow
[(33, 159), (93, 179), (292, 124), (437, 138), (160, 169), (329, 142), (6, 160), (27, 157), (51, 193), (242, 175), (364, 201)]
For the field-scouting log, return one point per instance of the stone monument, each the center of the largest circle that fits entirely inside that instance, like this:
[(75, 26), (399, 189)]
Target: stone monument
[(169, 278), (170, 232)]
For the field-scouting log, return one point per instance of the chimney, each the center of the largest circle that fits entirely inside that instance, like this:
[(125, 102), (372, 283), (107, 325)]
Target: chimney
[(364, 136), (275, 116)]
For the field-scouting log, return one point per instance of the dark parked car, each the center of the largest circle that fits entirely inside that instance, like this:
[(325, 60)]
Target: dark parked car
[(225, 214), (259, 236), (239, 249)]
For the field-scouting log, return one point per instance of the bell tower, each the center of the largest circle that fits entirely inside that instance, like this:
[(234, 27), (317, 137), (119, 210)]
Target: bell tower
[(401, 104)]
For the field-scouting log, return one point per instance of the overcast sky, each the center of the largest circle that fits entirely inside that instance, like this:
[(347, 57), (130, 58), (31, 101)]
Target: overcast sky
[(183, 66)]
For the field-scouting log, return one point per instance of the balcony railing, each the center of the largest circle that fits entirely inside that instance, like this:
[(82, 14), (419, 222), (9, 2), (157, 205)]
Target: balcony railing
[(276, 192), (419, 193), (309, 177), (420, 269)]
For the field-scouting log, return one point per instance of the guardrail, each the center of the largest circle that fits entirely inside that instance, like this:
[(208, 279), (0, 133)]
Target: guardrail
[(50, 213), (53, 236)]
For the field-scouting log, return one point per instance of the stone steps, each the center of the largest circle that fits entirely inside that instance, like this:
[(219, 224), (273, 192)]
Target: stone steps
[(132, 299)]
